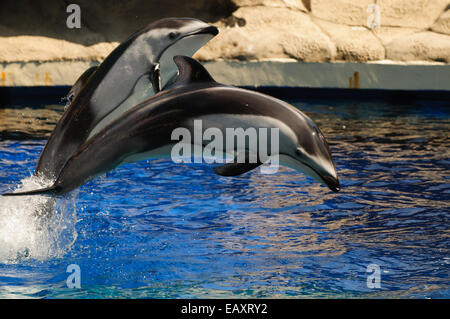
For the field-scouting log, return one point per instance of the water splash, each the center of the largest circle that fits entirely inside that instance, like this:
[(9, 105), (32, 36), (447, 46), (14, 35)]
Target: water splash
[(36, 227)]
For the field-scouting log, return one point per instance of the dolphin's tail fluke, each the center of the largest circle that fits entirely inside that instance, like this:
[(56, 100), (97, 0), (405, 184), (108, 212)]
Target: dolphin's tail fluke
[(52, 190)]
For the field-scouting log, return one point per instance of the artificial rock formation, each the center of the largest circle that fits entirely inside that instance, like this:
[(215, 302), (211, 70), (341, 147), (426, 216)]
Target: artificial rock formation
[(270, 33), (353, 43), (253, 30), (399, 13), (419, 47), (442, 25)]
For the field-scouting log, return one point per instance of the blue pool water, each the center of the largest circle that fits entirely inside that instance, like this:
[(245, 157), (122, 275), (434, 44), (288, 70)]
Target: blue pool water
[(156, 229)]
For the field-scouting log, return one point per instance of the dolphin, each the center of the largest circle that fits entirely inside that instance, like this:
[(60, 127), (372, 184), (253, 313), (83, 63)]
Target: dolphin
[(145, 131), (135, 70), (79, 84)]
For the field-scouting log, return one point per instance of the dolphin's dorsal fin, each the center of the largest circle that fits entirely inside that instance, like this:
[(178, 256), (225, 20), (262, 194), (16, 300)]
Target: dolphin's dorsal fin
[(190, 70)]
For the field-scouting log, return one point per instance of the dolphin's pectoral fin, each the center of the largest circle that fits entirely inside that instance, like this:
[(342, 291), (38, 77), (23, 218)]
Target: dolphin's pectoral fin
[(237, 168), (155, 77)]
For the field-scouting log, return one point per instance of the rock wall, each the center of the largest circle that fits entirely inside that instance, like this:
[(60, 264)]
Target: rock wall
[(254, 30), (334, 30)]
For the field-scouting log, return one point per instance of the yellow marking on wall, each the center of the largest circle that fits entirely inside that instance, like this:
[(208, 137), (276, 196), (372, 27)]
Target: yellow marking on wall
[(36, 81), (11, 78), (2, 79), (48, 79), (353, 81), (356, 82)]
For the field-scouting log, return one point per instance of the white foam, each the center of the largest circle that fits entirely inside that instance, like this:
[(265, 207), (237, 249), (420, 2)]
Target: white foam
[(36, 227)]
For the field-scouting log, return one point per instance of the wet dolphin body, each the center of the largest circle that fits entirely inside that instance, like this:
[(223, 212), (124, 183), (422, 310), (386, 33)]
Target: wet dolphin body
[(133, 72), (145, 131), (80, 82)]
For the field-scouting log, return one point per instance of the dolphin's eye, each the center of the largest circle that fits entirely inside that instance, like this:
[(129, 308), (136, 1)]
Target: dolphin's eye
[(298, 151), (173, 35)]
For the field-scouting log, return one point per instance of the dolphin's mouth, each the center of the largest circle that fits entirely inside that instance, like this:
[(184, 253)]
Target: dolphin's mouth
[(331, 182), (325, 178), (212, 30)]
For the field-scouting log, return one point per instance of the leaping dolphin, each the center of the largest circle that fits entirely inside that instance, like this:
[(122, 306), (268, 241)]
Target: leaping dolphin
[(145, 130), (134, 71)]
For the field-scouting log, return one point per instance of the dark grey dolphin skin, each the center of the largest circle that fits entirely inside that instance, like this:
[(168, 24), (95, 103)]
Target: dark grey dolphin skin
[(145, 130), (133, 72), (80, 83)]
